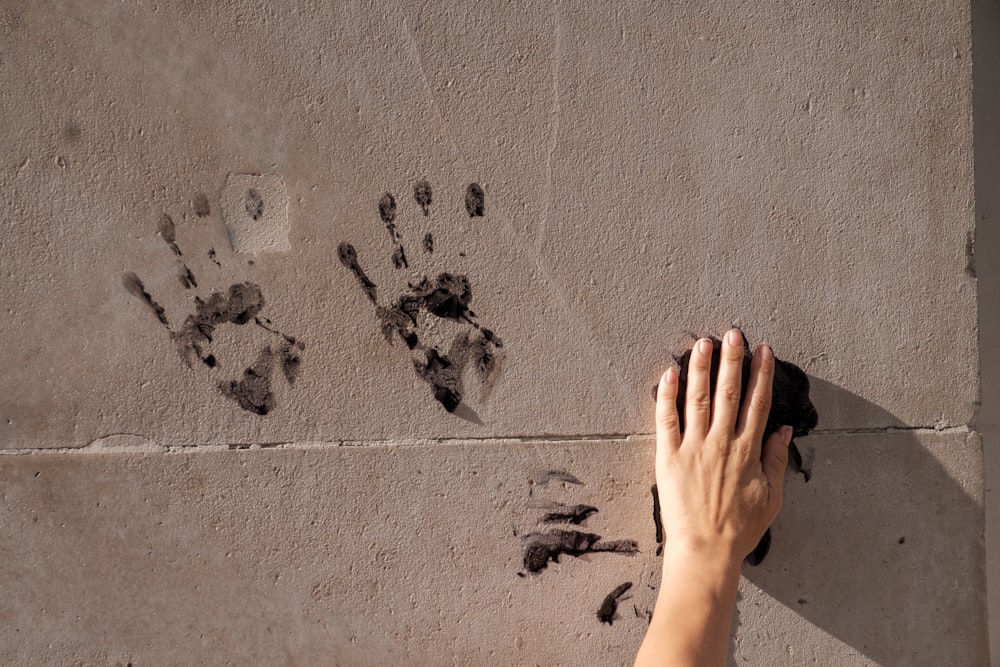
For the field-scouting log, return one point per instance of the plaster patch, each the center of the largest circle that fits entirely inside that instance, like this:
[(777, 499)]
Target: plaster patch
[(255, 209)]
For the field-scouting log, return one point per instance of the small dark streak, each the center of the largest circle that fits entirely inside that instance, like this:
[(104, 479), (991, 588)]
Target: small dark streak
[(254, 204), (606, 612), (210, 361), (627, 547), (428, 243), (169, 233), (558, 475), (135, 287), (801, 601), (187, 278), (399, 258), (211, 256), (475, 201), (201, 205), (423, 196), (902, 540), (657, 520), (575, 515), (37, 473), (387, 208), (521, 574), (349, 258)]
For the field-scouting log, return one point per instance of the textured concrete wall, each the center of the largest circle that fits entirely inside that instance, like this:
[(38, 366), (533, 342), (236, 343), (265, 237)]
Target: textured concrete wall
[(312, 310)]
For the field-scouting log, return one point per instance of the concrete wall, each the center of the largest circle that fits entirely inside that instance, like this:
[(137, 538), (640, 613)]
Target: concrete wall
[(217, 445)]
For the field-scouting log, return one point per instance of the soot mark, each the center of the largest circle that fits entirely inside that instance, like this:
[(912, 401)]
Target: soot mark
[(410, 316), (543, 548), (423, 195), (201, 206), (475, 201), (169, 233), (387, 212), (211, 256), (136, 288), (238, 305), (657, 520), (253, 391), (575, 514), (606, 612), (790, 405), (254, 204), (187, 278), (349, 258)]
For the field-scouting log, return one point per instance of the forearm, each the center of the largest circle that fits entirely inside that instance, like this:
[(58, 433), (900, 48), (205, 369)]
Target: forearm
[(694, 608)]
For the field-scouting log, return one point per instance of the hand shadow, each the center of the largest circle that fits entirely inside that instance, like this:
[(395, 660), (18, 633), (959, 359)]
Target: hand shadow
[(883, 548)]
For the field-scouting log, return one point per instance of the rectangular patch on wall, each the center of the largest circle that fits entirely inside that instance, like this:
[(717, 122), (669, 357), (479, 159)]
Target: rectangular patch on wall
[(255, 209)]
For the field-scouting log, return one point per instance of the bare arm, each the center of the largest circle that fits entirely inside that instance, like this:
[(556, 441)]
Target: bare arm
[(717, 495)]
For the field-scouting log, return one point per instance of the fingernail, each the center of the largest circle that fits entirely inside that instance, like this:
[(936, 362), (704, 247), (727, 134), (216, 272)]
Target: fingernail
[(705, 346), (734, 338), (766, 352), (670, 377), (786, 434)]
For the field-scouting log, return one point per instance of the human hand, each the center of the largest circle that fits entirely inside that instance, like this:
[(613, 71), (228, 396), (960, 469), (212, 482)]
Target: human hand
[(717, 493)]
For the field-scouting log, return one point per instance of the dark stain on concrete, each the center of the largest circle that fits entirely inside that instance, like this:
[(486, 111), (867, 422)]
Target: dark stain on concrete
[(475, 201), (609, 607), (423, 195), (543, 548), (254, 204), (253, 391), (349, 258), (559, 476), (168, 233), (657, 520), (575, 514), (136, 288), (239, 304), (446, 296), (201, 205)]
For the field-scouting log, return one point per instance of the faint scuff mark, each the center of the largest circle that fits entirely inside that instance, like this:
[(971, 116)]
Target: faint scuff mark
[(554, 115)]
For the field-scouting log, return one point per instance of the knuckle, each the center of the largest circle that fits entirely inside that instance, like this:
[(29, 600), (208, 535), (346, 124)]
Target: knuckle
[(729, 393)]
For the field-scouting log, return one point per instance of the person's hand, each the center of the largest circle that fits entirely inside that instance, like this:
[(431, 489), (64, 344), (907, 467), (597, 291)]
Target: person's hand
[(717, 494)]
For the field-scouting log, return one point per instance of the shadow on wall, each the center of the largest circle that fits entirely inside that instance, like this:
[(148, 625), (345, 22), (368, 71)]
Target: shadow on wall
[(883, 548)]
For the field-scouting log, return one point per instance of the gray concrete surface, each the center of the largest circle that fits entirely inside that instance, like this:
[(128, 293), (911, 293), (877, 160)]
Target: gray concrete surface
[(248, 556), (589, 186)]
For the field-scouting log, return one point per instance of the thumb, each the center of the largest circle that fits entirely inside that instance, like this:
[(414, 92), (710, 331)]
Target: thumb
[(775, 460)]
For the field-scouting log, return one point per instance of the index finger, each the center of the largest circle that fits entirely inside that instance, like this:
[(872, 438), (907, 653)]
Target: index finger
[(753, 416)]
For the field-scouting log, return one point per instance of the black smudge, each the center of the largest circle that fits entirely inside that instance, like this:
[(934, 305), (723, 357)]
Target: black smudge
[(606, 612), (253, 391), (546, 547), (387, 213), (238, 305), (349, 258), (575, 514), (475, 201), (657, 520), (291, 359), (201, 206), (423, 195), (135, 287), (211, 256), (187, 278), (168, 233), (254, 204), (428, 243), (387, 209)]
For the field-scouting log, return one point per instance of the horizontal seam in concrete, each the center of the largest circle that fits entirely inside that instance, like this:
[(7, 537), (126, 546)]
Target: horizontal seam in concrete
[(151, 448)]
